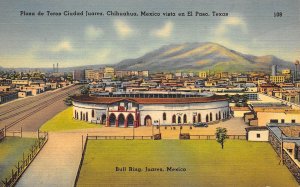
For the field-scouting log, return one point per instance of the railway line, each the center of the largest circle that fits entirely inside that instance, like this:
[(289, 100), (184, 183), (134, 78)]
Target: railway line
[(27, 108), (47, 95)]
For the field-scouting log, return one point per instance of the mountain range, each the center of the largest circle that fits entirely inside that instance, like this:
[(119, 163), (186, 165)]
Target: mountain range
[(190, 57), (201, 56)]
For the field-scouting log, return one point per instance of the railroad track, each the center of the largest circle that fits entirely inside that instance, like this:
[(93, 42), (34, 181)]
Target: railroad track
[(30, 102), (36, 108)]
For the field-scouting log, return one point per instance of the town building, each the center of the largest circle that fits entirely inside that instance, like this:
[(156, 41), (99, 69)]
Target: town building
[(277, 78), (258, 134), (8, 96), (203, 74), (109, 72), (285, 140), (78, 75)]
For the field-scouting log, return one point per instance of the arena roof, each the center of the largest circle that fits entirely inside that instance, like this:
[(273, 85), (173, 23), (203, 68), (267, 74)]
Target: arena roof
[(110, 100)]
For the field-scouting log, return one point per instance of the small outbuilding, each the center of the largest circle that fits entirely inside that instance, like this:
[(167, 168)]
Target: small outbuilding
[(257, 133)]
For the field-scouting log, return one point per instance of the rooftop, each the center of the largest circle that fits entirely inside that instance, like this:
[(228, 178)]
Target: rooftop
[(142, 100)]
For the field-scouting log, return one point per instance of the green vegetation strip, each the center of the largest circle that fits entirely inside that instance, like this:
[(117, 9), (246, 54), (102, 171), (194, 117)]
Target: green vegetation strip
[(11, 151), (200, 163), (64, 121)]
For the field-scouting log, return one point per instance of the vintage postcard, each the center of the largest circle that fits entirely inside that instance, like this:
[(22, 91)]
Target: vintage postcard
[(150, 93)]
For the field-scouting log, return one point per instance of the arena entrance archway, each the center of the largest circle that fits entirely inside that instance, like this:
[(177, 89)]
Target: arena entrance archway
[(130, 120), (148, 121), (112, 120), (121, 120), (103, 119)]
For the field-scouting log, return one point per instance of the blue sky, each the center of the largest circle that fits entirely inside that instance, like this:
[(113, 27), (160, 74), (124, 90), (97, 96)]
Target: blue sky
[(33, 41)]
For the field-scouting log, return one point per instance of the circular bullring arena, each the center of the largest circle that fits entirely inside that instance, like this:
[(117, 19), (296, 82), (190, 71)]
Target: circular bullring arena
[(150, 108)]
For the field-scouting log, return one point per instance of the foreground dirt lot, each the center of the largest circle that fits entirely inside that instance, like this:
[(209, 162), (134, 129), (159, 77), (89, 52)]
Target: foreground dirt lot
[(235, 126)]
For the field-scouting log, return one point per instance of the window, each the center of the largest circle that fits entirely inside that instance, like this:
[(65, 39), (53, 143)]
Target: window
[(273, 120), (164, 116), (257, 135), (194, 119), (282, 120), (293, 121), (210, 117), (173, 119), (93, 113), (184, 119), (129, 106)]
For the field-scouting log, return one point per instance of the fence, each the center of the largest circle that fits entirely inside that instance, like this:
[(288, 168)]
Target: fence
[(237, 137), (120, 137), (81, 160), (26, 161), (2, 134), (14, 133), (213, 137), (202, 137)]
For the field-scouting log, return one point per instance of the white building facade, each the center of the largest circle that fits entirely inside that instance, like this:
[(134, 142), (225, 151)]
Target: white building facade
[(147, 110)]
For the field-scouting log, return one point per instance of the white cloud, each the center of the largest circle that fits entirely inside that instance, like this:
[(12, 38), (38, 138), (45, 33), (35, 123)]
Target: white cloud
[(230, 22), (123, 29), (165, 31), (224, 33), (92, 32), (62, 46)]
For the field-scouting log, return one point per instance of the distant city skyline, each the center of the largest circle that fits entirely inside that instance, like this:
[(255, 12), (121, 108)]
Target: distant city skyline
[(41, 41)]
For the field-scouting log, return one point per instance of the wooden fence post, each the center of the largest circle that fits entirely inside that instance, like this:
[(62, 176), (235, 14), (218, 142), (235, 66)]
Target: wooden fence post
[(21, 132), (81, 143)]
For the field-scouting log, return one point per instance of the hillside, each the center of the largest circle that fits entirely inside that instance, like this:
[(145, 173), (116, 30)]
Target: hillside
[(200, 56)]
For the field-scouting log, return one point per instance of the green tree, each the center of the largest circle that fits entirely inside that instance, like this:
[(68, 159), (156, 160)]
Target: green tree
[(68, 101), (85, 90), (221, 135)]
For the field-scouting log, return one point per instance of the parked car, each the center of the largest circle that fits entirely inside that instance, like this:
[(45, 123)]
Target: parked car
[(200, 124)]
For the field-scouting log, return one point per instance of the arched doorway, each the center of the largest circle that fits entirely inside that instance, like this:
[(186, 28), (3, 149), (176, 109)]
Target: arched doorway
[(103, 119), (173, 119), (179, 120), (148, 121), (220, 115), (112, 120), (207, 118), (93, 113), (121, 120), (164, 116), (194, 119), (130, 120), (184, 118), (199, 117), (210, 117)]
